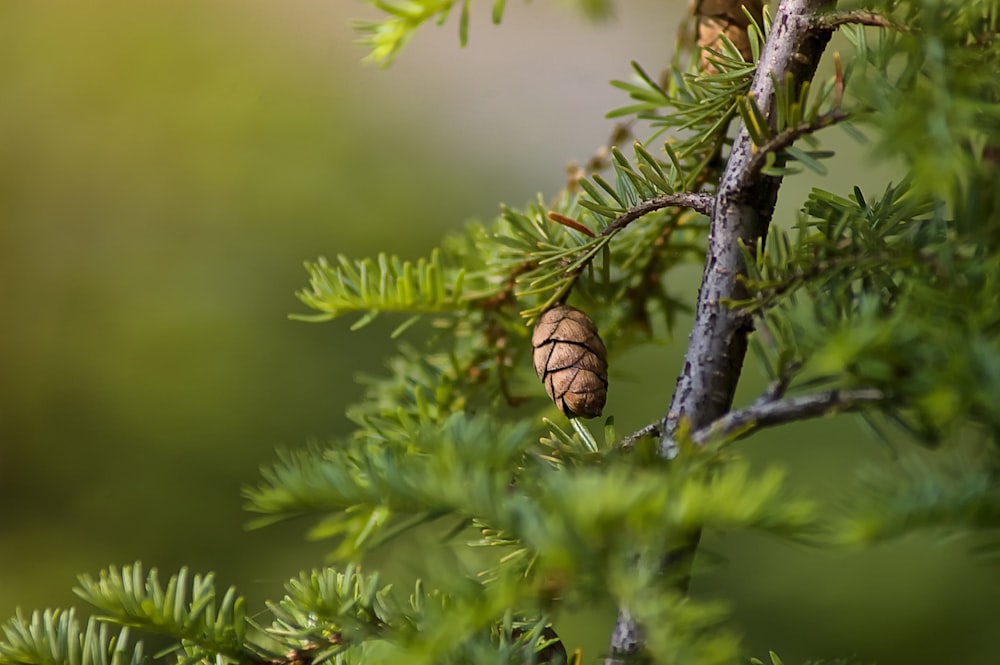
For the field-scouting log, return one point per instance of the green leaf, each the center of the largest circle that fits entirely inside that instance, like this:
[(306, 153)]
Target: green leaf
[(498, 7), (463, 24)]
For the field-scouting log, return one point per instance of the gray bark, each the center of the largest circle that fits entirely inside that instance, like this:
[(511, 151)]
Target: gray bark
[(744, 204)]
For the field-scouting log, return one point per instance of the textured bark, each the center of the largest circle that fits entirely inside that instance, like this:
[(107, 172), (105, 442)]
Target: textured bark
[(743, 208)]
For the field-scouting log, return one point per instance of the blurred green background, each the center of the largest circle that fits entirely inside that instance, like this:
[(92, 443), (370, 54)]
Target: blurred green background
[(164, 170)]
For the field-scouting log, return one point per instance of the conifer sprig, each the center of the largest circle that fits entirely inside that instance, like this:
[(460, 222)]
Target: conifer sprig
[(870, 294), (956, 494), (368, 492), (54, 637), (841, 241), (369, 489), (386, 283), (186, 609), (350, 617), (386, 37), (327, 615), (947, 118)]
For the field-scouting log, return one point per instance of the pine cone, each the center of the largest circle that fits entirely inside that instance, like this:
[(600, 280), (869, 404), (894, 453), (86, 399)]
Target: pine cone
[(717, 17), (571, 361)]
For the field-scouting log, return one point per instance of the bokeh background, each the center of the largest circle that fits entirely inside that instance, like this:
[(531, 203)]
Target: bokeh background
[(165, 168)]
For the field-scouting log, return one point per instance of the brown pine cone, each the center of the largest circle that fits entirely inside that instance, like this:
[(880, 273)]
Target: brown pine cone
[(571, 361)]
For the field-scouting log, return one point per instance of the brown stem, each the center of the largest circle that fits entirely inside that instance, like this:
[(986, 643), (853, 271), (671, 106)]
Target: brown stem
[(830, 22), (698, 202), (790, 135), (770, 411)]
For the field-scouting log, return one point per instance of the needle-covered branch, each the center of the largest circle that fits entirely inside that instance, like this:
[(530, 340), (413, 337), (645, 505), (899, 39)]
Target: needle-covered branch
[(743, 207), (703, 203), (790, 135), (743, 422), (767, 412), (831, 22), (744, 204)]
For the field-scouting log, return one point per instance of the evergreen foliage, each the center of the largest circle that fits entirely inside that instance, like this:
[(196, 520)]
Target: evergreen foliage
[(883, 300)]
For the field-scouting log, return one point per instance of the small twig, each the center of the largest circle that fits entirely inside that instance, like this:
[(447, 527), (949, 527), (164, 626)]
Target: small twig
[(777, 412), (697, 201), (790, 135), (769, 411), (777, 388), (774, 391), (653, 430), (830, 22)]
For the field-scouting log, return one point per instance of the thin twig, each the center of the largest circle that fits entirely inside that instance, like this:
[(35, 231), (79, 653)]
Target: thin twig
[(774, 390), (703, 203), (697, 201), (830, 22), (742, 422), (652, 430), (790, 135), (768, 412)]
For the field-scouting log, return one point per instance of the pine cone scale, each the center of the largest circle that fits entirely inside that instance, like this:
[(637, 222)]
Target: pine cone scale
[(571, 361)]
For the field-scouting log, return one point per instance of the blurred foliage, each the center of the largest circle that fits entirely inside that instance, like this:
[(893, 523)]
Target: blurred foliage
[(386, 37), (162, 177)]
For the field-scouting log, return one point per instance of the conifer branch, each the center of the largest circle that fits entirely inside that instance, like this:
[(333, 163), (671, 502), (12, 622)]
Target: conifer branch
[(790, 135), (186, 608), (703, 203), (743, 208), (55, 637), (830, 22), (768, 412), (650, 430)]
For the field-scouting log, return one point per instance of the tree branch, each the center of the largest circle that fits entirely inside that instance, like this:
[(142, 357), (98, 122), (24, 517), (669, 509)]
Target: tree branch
[(768, 412), (744, 422), (790, 135), (743, 207), (744, 204), (703, 203), (830, 22)]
